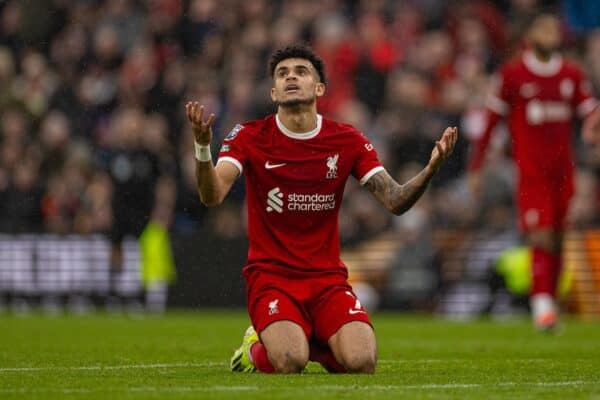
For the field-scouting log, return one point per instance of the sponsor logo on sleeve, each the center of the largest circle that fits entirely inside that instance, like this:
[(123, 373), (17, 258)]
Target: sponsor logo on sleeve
[(236, 129)]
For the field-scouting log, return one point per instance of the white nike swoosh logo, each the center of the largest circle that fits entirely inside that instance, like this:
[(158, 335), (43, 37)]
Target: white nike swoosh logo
[(271, 166), (352, 312)]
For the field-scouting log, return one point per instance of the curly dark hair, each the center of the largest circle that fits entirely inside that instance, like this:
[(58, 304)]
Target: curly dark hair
[(298, 51)]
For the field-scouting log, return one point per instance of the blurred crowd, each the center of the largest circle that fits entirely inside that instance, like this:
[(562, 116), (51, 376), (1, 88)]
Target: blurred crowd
[(93, 132)]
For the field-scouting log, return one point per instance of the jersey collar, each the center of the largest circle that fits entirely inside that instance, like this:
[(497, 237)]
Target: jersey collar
[(303, 135), (549, 68)]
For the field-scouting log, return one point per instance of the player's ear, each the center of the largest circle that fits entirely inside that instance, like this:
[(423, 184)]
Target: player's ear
[(273, 97), (320, 89)]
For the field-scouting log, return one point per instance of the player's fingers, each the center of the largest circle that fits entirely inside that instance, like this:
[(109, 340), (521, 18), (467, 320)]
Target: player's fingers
[(450, 144), (450, 139), (453, 138), (200, 114), (211, 119), (439, 148), (447, 132), (195, 112), (447, 142), (192, 112), (188, 108)]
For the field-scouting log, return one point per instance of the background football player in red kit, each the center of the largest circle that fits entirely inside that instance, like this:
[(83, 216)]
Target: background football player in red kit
[(540, 93), (296, 164)]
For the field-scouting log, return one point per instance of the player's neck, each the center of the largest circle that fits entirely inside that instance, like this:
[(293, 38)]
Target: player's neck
[(298, 120)]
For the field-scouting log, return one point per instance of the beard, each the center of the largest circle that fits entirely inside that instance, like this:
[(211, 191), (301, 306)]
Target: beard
[(292, 103), (544, 51)]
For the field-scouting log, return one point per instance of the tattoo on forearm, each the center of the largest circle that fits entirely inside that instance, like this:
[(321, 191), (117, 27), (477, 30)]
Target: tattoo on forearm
[(385, 189), (395, 197)]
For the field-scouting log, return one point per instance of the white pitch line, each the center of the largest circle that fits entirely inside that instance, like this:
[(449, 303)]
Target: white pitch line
[(211, 364), (456, 360), (220, 388), (136, 389), (112, 367), (456, 385)]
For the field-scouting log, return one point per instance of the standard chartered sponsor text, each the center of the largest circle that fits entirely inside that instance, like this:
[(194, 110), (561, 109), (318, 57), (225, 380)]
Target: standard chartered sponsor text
[(310, 202)]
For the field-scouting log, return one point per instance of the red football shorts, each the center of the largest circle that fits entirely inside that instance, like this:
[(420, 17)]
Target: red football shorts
[(320, 305), (543, 202)]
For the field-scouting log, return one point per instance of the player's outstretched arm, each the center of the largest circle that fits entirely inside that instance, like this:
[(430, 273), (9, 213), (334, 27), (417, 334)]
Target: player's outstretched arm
[(213, 183), (399, 198)]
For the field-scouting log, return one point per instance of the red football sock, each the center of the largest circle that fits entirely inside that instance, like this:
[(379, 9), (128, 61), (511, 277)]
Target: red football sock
[(546, 270), (260, 358), (324, 356)]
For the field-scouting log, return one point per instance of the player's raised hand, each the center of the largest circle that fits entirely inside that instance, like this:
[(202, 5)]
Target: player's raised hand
[(202, 129), (443, 148)]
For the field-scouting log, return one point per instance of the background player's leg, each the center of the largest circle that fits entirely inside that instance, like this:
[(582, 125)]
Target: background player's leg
[(546, 265), (546, 251), (285, 344), (354, 346)]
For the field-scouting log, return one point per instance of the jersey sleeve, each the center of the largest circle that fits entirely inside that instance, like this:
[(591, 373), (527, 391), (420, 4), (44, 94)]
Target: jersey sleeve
[(498, 97), (583, 100), (367, 163), (233, 149)]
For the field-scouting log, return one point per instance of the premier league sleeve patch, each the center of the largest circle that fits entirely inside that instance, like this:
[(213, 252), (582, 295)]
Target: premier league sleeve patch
[(236, 129)]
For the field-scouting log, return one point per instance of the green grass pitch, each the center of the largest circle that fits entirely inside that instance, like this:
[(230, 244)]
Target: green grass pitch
[(185, 355)]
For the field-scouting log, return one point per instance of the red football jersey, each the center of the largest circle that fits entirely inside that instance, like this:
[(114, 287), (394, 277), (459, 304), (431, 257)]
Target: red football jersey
[(294, 188), (540, 101)]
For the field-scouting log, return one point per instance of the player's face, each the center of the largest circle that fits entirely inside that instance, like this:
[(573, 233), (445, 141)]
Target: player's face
[(296, 82), (545, 34)]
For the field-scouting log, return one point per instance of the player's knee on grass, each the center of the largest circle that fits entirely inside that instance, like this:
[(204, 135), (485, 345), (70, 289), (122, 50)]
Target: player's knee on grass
[(354, 347), (288, 361), (359, 361), (287, 346)]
